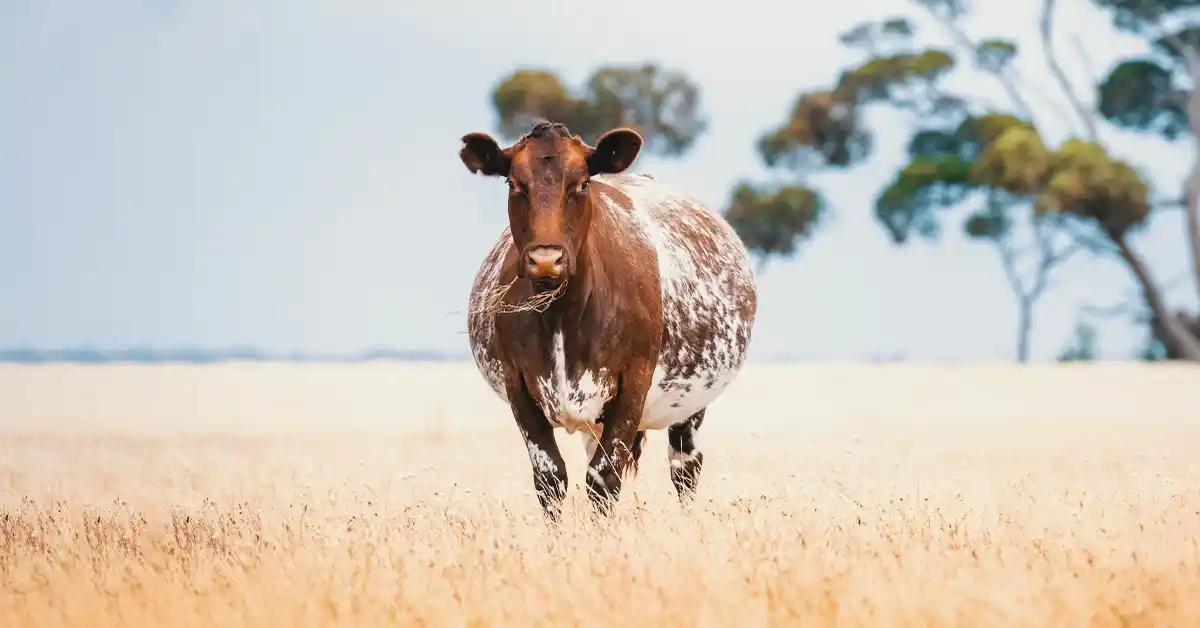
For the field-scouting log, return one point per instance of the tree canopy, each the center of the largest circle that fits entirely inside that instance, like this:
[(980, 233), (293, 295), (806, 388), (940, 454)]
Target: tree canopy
[(662, 105), (995, 162), (772, 221)]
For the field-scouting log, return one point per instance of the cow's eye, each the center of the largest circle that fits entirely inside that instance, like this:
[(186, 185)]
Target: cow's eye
[(583, 187)]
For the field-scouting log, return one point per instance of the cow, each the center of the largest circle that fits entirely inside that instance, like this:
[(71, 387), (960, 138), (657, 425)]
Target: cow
[(640, 305)]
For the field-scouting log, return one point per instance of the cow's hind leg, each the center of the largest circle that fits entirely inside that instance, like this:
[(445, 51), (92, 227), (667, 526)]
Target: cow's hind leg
[(686, 459)]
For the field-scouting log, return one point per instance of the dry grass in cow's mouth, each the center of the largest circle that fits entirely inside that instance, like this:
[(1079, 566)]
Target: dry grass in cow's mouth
[(547, 285), (493, 301)]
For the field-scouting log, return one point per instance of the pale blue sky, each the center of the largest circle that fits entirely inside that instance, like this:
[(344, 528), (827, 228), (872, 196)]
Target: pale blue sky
[(284, 173)]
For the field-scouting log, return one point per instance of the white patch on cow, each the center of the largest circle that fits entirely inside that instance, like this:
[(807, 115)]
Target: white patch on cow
[(697, 295), (679, 458), (572, 403), (539, 458)]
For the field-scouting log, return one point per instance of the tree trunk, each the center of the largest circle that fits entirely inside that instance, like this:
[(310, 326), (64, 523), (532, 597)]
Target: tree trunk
[(1024, 328), (1191, 199), (1191, 192), (1175, 333)]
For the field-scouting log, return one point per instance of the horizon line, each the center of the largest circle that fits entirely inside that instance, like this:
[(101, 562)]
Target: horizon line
[(197, 354)]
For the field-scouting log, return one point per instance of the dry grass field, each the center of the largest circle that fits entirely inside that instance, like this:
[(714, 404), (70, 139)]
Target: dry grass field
[(835, 494)]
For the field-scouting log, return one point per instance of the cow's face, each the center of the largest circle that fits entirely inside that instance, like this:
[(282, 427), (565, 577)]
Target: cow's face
[(549, 201)]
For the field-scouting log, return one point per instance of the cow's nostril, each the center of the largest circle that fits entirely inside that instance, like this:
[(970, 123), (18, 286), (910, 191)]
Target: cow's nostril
[(545, 260), (545, 256)]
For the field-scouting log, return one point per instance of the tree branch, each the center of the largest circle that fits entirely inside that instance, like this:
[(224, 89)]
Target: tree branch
[(1049, 257), (1011, 81), (1089, 241), (1008, 261), (1047, 28), (1089, 64), (960, 37), (1134, 308), (1191, 186), (1179, 336), (1028, 291)]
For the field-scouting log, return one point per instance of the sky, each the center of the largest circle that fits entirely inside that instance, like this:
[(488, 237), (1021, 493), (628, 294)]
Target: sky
[(284, 174)]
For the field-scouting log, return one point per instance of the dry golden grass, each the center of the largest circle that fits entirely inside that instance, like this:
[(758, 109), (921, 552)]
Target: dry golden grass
[(290, 495)]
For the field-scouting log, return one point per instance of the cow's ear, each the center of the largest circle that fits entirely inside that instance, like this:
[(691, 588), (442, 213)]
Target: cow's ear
[(481, 153), (614, 152)]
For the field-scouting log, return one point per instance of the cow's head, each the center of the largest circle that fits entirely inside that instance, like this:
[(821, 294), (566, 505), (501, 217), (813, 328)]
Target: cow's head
[(549, 204)]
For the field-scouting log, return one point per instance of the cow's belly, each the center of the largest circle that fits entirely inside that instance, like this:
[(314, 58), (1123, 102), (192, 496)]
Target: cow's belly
[(708, 311), (684, 385), (577, 404), (670, 402)]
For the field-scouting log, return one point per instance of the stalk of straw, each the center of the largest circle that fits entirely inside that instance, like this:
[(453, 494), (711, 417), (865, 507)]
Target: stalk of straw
[(493, 302)]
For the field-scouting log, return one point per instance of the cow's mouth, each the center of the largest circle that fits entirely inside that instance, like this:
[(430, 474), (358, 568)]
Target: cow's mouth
[(547, 284)]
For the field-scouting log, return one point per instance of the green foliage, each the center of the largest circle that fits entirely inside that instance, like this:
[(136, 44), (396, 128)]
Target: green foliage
[(1082, 347), (966, 140), (987, 225), (660, 104), (824, 128), (996, 154), (1144, 16), (1139, 94), (994, 55), (1002, 155), (945, 9), (896, 26), (1015, 161), (883, 78), (1173, 44), (773, 222), (870, 35), (960, 152), (1146, 94), (946, 166), (1085, 180), (925, 184), (528, 93)]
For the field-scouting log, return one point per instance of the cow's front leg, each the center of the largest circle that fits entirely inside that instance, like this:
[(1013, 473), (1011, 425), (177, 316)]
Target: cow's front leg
[(549, 470), (615, 455)]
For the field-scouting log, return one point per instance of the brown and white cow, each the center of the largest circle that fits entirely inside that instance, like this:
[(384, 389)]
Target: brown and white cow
[(652, 324)]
